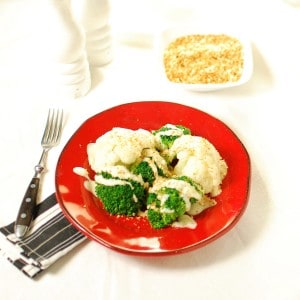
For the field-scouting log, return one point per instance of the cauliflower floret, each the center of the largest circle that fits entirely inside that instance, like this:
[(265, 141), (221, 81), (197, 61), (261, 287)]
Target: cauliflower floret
[(118, 146), (199, 160)]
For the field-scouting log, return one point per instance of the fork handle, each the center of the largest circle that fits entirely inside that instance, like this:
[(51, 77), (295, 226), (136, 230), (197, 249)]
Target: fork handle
[(27, 208)]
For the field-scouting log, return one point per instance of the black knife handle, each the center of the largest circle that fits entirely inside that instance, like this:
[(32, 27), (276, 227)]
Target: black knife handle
[(27, 208)]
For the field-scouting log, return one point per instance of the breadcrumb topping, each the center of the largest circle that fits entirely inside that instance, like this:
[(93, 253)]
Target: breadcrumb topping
[(196, 59)]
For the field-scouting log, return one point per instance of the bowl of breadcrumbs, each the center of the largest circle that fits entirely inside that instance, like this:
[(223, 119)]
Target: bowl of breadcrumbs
[(205, 60)]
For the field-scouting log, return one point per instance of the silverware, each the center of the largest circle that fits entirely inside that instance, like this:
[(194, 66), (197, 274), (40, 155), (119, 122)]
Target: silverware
[(51, 137)]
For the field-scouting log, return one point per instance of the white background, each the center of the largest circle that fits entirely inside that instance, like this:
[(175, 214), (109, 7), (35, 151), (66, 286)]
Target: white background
[(259, 257)]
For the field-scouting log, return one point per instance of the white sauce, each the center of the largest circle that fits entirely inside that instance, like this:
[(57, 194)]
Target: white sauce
[(185, 221), (110, 182), (172, 130), (186, 190), (81, 172), (152, 243), (89, 184)]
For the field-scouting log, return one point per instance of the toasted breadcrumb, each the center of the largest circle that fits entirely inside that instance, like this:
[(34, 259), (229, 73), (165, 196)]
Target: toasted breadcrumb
[(196, 59)]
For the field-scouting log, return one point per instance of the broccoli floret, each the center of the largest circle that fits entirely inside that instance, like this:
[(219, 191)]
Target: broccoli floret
[(147, 172), (164, 207), (144, 169), (167, 134), (120, 196), (151, 166), (117, 199)]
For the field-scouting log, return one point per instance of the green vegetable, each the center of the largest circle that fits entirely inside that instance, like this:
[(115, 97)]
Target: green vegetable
[(144, 169), (149, 170), (162, 213), (168, 139), (151, 166), (121, 196)]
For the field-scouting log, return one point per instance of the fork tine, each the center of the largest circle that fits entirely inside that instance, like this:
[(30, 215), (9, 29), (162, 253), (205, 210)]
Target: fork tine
[(58, 125), (53, 127), (47, 127)]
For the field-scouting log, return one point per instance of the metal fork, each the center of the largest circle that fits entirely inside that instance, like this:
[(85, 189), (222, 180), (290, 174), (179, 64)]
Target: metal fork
[(51, 138)]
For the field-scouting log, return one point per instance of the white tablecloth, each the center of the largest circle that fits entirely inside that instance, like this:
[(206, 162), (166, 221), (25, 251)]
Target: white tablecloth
[(259, 257)]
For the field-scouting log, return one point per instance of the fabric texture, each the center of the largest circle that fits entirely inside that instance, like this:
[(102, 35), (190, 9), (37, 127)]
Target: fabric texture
[(51, 236)]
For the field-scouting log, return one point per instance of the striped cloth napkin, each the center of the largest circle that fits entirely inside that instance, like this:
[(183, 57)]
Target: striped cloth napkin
[(51, 236)]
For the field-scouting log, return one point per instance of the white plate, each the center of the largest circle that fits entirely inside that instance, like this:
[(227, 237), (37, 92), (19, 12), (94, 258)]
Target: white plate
[(170, 34)]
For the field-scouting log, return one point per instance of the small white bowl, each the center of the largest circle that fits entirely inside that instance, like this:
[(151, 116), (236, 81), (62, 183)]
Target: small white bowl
[(170, 34)]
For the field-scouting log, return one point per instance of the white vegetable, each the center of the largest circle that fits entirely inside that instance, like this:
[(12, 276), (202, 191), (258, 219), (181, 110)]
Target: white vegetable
[(202, 204), (199, 160), (118, 146)]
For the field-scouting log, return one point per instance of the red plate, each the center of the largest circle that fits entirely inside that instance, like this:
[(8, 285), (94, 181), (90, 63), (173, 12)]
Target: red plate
[(134, 235)]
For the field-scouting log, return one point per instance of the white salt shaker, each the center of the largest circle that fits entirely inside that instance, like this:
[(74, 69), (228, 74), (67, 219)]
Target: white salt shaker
[(62, 44), (94, 15)]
